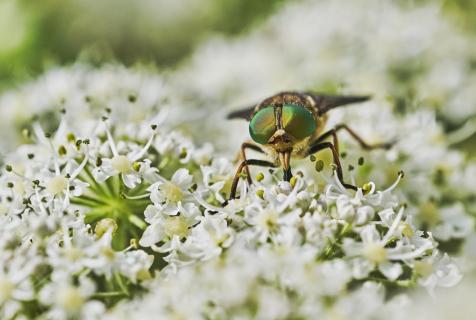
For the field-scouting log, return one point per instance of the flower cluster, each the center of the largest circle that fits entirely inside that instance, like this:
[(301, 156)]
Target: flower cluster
[(413, 78), (92, 220), (108, 208), (289, 251)]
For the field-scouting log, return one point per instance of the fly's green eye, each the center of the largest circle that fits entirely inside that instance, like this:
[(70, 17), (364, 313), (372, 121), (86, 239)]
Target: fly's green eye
[(298, 121), (263, 125)]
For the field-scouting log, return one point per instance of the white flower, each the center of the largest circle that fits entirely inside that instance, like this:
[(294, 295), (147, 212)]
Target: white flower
[(206, 241), (127, 166), (438, 270), (363, 304), (15, 284), (269, 220), (67, 300), (304, 248), (81, 250), (373, 250), (455, 223), (168, 195), (359, 208), (135, 265), (163, 227), (218, 177)]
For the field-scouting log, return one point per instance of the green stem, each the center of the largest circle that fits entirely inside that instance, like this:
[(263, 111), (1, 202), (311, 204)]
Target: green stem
[(138, 222), (96, 200), (109, 294), (95, 186), (86, 203), (331, 247), (121, 284)]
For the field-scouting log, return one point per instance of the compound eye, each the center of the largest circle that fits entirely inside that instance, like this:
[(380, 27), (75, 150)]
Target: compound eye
[(263, 125), (298, 121)]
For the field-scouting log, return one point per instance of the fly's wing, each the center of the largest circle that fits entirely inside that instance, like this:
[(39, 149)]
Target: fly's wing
[(242, 113), (325, 102)]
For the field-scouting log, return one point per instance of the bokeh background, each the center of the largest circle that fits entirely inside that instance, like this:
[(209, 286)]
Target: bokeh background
[(165, 35), (38, 35)]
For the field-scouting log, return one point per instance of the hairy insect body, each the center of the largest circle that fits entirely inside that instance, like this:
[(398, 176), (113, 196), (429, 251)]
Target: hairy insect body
[(291, 124)]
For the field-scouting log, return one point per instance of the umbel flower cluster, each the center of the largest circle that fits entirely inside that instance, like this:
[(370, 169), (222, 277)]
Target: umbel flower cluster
[(109, 209), (92, 220)]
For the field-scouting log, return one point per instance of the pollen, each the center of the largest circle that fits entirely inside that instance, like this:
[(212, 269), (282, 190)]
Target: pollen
[(260, 193), (260, 177), (293, 181), (136, 166), (366, 188), (121, 164)]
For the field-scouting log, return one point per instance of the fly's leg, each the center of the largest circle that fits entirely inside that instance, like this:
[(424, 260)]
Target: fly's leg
[(362, 143), (287, 174), (244, 146), (317, 146), (245, 163)]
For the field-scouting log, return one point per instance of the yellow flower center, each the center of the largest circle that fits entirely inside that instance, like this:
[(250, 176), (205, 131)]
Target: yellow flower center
[(175, 226), (56, 185), (375, 252), (19, 187), (70, 299), (73, 254), (172, 192), (429, 214), (121, 164), (423, 268), (219, 239), (3, 210), (6, 289), (268, 219), (143, 274), (108, 253)]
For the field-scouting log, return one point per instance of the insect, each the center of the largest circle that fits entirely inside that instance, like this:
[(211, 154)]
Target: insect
[(290, 124)]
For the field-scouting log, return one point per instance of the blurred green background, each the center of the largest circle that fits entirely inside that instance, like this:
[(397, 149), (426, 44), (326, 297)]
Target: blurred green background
[(34, 35)]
